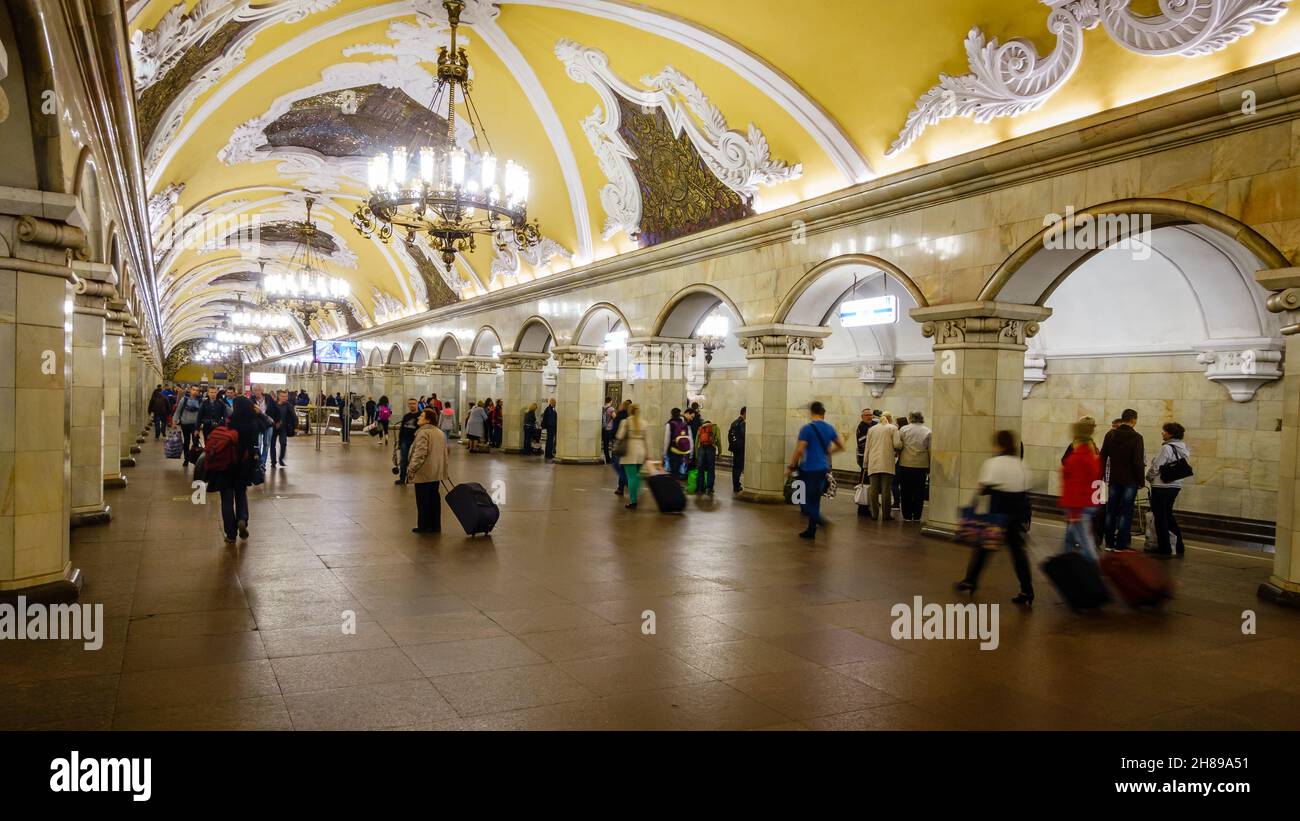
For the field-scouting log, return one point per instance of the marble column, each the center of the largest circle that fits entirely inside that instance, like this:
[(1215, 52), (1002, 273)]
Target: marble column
[(477, 380), (656, 381), (114, 343), (126, 431), (391, 379), (522, 385), (580, 402), (1283, 587), (36, 321), (135, 430), (778, 392), (444, 377), (95, 286), (978, 388)]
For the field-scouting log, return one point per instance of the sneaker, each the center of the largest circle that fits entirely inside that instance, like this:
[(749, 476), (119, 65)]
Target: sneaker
[(630, 505), (242, 526), (807, 534), (230, 539)]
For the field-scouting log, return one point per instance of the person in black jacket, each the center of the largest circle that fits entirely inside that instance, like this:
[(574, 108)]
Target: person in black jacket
[(159, 409), (550, 422), (406, 429), (614, 458), (232, 482), (736, 444), (530, 429), (1123, 459), (213, 412), (284, 418)]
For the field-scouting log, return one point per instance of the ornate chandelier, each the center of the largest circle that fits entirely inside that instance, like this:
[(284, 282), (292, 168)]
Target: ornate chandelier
[(445, 192), (305, 289), (713, 335), (238, 338)]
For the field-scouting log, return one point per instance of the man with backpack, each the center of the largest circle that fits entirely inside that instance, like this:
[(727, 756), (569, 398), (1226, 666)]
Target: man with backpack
[(213, 412), (706, 456), (678, 443), (736, 444), (187, 412)]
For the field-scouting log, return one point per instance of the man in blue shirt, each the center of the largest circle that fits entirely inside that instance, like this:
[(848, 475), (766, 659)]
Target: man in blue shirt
[(818, 441)]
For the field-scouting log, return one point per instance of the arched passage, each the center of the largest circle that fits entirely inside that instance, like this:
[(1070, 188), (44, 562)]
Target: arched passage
[(448, 348), (597, 323), (395, 356), (686, 310), (419, 352), (536, 336), (487, 342)]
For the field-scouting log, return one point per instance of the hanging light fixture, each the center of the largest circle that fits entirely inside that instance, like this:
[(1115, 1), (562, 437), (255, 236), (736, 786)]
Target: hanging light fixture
[(304, 289), (713, 335), (445, 192)]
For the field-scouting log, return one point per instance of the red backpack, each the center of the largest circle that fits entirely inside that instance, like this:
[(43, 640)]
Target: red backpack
[(221, 449)]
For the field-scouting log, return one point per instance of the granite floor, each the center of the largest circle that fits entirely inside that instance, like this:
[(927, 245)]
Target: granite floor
[(542, 625)]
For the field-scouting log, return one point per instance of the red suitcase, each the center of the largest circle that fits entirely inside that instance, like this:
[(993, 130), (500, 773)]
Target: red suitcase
[(1140, 580)]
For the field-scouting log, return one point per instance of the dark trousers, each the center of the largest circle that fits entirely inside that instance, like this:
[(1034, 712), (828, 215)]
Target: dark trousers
[(911, 484), (280, 437), (676, 464), (1119, 515), (428, 506), (550, 443), (1162, 510), (159, 425), (188, 438), (529, 432), (1015, 506), (403, 458), (234, 506), (814, 486), (618, 469), (706, 459), (606, 436), (737, 469)]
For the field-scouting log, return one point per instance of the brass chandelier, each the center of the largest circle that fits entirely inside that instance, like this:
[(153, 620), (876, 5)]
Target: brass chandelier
[(305, 289), (447, 193)]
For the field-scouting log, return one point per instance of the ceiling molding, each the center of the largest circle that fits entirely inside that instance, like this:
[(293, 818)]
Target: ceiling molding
[(741, 162), (771, 81), (1010, 79)]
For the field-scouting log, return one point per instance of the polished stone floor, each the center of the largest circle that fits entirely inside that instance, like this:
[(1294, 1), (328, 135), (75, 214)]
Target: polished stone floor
[(541, 626)]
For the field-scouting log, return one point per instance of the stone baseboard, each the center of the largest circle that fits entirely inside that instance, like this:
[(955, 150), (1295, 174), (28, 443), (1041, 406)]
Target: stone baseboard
[(1274, 593), (114, 482), (134, 449), (127, 462), (762, 497), (941, 530), (578, 460), (62, 591), (101, 516)]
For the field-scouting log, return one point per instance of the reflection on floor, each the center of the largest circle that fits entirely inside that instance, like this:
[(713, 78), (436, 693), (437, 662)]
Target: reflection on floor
[(541, 626)]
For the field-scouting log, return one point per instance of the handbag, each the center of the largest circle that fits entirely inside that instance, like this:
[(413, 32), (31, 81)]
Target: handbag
[(1179, 468), (984, 531), (862, 494), (692, 480), (620, 446)]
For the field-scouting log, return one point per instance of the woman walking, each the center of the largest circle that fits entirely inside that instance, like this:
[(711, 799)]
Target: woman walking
[(630, 440), (1165, 492), (1005, 481), (476, 426), (382, 414), (426, 468), (447, 421), (1080, 482), (229, 459)]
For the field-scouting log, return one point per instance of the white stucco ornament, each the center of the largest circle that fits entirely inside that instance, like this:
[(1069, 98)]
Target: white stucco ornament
[(1242, 370), (1035, 373), (1009, 79), (877, 376)]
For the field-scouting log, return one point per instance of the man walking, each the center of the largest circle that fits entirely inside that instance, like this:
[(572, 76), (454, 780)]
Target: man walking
[(1124, 458), (614, 458), (213, 412), (818, 441), (550, 422), (285, 420), (187, 412), (736, 444)]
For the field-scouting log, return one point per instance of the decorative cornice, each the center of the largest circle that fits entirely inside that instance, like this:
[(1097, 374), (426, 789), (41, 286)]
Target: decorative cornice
[(520, 361), (579, 356), (780, 341), (478, 364), (742, 162), (1009, 79), (999, 325)]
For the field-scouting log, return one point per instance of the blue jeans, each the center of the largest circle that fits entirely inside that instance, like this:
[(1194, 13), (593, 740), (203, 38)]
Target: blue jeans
[(403, 458), (618, 468), (268, 438), (1119, 515), (814, 484), (159, 425), (705, 459), (1078, 535)]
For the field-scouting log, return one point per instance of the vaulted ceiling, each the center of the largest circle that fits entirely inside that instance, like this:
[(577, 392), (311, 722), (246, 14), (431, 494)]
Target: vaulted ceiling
[(639, 122)]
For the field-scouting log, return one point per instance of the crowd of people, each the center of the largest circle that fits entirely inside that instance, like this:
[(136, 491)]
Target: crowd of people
[(1098, 496)]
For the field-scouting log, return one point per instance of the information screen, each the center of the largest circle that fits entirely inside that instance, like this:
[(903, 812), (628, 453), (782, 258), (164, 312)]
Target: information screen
[(334, 351)]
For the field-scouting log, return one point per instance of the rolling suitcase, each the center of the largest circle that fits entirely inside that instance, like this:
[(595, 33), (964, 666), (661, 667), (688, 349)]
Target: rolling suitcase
[(474, 508), (667, 492), (1140, 580), (1078, 580)]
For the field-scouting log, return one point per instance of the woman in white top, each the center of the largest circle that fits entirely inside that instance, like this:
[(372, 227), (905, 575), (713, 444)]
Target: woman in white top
[(632, 432), (1006, 482), (1164, 493)]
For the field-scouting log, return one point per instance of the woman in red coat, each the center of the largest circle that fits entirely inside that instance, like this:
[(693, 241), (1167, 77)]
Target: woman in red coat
[(1081, 490)]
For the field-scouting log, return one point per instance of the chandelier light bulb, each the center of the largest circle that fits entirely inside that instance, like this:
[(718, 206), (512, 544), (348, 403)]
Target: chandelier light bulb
[(426, 165), (457, 167), (489, 171), (378, 172), (399, 168)]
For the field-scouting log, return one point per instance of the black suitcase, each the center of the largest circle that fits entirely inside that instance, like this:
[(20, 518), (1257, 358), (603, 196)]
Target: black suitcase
[(668, 493), (1078, 580), (473, 507)]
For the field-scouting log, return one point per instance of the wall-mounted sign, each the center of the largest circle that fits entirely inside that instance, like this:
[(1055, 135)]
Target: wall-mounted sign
[(267, 378), (334, 351), (877, 310)]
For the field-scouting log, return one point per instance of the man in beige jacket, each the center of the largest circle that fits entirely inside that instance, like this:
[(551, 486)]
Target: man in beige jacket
[(426, 467), (880, 467)]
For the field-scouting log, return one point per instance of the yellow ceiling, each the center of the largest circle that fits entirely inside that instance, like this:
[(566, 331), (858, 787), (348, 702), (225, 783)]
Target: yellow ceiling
[(862, 64)]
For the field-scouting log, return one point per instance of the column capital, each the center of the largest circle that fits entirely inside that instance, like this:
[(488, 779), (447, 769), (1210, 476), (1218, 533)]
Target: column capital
[(522, 361), (984, 324), (1285, 297), (781, 341), (579, 356), (667, 348), (440, 367), (95, 287), (477, 364)]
